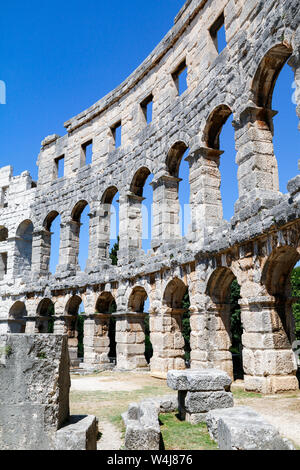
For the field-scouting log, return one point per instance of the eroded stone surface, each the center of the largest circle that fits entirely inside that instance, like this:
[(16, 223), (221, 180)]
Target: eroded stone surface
[(241, 428)]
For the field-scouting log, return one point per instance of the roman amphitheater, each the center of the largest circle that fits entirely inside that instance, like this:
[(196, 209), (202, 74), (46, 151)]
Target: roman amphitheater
[(258, 247)]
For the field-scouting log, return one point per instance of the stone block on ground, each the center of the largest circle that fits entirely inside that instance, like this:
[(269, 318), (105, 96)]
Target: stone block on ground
[(241, 428), (198, 380), (79, 433)]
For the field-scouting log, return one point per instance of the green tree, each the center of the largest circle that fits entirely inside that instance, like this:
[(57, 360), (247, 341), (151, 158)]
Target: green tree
[(114, 253), (235, 317)]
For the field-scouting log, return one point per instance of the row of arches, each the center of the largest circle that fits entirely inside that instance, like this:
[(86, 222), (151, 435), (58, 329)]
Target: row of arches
[(179, 334), (188, 191)]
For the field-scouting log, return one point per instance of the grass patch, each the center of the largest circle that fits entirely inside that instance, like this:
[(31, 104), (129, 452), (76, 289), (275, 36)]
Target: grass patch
[(110, 405), (240, 393), (180, 435)]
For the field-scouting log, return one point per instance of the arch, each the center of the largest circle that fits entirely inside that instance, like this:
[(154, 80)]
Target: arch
[(73, 305), (75, 329), (174, 157), (267, 73), (105, 303), (138, 181), (278, 268), (24, 237), (174, 293), (137, 299), (276, 277), (109, 194), (219, 283), (45, 309), (78, 209), (17, 322), (226, 330), (49, 219), (50, 243), (3, 233), (214, 125), (109, 226)]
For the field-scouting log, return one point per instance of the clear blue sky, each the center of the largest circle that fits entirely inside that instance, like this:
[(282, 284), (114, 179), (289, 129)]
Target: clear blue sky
[(59, 58)]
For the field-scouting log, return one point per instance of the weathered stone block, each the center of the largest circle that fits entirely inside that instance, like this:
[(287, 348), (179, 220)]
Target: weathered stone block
[(241, 428), (198, 380)]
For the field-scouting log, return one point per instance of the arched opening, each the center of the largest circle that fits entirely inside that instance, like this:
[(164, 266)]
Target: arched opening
[(176, 301), (109, 225), (106, 341), (51, 241), (81, 233), (75, 328), (45, 312), (141, 203), (277, 121), (281, 277), (225, 344), (3, 251), (220, 138), (16, 318), (138, 302), (3, 234), (23, 254), (178, 169)]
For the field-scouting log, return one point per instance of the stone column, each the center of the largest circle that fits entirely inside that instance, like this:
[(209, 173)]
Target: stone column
[(257, 172), (41, 249), (268, 360), (205, 182), (66, 324), (166, 211), (130, 227), (99, 236), (130, 338), (30, 325), (199, 339), (69, 246), (167, 341), (211, 338), (59, 325), (96, 340)]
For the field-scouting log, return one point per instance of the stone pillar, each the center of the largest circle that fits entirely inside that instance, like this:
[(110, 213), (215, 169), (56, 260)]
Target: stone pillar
[(205, 182), (96, 340), (69, 246), (257, 171), (99, 238), (130, 338), (210, 338), (219, 343), (199, 339), (268, 359), (41, 249), (167, 341), (166, 211), (59, 325), (30, 325), (130, 227)]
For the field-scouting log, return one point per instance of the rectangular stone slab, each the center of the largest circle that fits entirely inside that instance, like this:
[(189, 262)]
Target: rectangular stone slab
[(198, 380), (241, 428)]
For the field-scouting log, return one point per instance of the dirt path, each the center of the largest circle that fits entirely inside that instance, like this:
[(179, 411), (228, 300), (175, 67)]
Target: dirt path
[(283, 413), (111, 438)]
